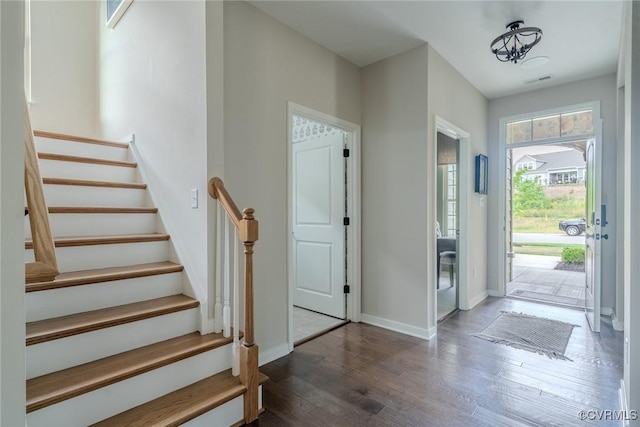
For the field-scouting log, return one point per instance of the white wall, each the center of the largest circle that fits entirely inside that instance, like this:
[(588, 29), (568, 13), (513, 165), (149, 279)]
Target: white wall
[(454, 99), (64, 69), (395, 181), (153, 83), (12, 314), (267, 64), (601, 89)]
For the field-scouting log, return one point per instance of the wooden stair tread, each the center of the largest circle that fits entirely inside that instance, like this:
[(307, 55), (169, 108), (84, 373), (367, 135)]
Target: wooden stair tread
[(74, 138), (92, 160), (182, 405), (65, 326), (87, 183), (99, 210), (102, 275), (65, 384), (64, 242)]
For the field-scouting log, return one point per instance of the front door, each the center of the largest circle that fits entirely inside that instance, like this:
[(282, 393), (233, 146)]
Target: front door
[(592, 237), (318, 241)]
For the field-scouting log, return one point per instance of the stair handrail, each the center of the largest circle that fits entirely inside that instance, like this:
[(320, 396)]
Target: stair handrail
[(247, 229), (46, 266)]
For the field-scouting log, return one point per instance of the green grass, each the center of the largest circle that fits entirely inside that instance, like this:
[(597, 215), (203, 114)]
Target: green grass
[(548, 249), (536, 225)]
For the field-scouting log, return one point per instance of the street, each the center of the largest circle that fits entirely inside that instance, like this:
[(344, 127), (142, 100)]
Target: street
[(547, 238)]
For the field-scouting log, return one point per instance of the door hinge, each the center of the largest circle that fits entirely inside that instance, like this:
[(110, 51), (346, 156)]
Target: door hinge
[(345, 220), (347, 289), (345, 152)]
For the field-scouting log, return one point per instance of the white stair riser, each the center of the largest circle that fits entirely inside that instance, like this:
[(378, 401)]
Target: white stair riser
[(80, 149), (87, 171), (231, 413), (77, 258), (78, 195), (105, 402), (78, 299), (75, 350), (76, 225)]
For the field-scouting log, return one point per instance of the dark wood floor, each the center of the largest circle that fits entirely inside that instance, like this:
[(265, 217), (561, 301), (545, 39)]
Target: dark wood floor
[(361, 375)]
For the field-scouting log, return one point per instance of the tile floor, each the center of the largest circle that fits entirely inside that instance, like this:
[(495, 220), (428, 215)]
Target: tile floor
[(543, 283), (307, 323)]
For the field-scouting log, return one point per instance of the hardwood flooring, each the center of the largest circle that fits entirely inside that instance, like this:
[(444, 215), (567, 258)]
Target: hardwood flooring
[(361, 375)]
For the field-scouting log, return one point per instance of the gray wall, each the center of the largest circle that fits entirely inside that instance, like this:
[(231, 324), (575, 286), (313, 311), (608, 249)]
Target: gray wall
[(401, 97), (454, 99), (601, 89), (267, 64), (395, 181), (12, 315)]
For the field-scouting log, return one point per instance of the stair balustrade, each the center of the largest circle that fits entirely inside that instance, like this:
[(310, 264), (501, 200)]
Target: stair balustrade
[(45, 267), (233, 227)]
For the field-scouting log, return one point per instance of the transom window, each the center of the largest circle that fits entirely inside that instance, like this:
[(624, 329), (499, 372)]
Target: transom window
[(553, 126)]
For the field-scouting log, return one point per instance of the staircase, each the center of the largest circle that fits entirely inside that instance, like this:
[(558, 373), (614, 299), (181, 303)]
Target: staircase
[(113, 340)]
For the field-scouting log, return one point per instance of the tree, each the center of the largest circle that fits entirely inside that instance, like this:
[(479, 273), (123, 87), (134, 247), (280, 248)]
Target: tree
[(528, 194)]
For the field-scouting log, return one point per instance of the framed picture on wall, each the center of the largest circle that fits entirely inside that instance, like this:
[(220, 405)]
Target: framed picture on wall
[(115, 10), (482, 175)]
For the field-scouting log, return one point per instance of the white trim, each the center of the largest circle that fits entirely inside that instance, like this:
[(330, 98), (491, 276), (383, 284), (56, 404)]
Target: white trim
[(354, 203), (502, 169), (478, 299), (494, 293), (272, 354), (618, 324), (463, 170), (606, 311), (624, 405), (403, 328), (117, 14)]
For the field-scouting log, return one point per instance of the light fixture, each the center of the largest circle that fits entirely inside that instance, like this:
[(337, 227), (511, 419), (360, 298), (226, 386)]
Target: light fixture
[(514, 45)]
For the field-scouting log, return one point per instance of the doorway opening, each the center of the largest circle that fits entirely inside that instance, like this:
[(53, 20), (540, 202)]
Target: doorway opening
[(323, 223), (547, 204), (551, 185), (447, 196)]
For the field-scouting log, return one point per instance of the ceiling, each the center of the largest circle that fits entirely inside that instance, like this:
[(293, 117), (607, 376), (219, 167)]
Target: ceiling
[(580, 38)]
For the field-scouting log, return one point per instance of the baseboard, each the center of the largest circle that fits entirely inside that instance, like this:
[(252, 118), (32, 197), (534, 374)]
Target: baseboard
[(606, 311), (478, 299), (403, 328), (494, 293), (270, 355), (618, 324)]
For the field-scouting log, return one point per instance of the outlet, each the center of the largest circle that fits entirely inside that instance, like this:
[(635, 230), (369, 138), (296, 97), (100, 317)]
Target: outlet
[(194, 198)]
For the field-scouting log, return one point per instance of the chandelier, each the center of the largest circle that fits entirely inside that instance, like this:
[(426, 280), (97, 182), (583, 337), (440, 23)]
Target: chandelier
[(514, 45)]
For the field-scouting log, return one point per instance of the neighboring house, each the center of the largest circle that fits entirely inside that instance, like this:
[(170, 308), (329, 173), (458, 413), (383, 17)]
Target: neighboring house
[(204, 86), (561, 167)]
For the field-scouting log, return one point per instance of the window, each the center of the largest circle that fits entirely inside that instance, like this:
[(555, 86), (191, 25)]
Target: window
[(526, 165), (451, 200), (553, 126)]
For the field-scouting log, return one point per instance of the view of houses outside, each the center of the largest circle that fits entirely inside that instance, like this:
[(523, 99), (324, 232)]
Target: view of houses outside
[(548, 187)]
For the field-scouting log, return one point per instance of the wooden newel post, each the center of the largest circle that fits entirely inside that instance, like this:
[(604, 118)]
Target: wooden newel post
[(248, 233)]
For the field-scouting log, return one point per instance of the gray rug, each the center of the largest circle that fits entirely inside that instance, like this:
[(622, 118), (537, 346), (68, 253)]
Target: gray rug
[(536, 334)]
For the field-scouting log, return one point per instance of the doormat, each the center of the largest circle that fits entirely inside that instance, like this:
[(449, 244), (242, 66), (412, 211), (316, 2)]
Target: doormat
[(525, 332)]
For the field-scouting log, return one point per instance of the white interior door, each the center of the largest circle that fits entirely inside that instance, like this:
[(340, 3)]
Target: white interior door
[(592, 236), (318, 241)]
